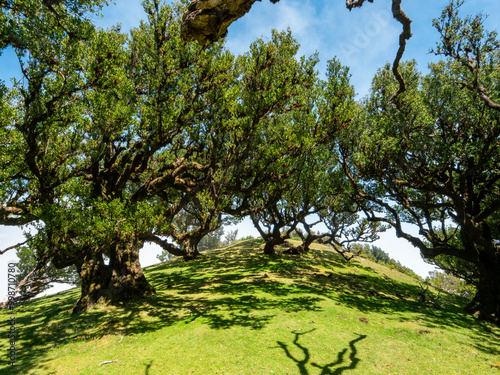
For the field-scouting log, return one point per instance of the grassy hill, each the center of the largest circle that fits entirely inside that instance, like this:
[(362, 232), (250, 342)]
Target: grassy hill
[(236, 311)]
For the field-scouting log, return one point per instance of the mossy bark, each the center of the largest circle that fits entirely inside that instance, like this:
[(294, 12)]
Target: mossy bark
[(207, 20), (190, 248), (486, 302), (121, 280), (271, 243)]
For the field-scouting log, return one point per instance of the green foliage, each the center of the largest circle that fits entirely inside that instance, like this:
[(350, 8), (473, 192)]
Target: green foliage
[(377, 255), (96, 125), (451, 284), (313, 188), (112, 138), (20, 20), (430, 156)]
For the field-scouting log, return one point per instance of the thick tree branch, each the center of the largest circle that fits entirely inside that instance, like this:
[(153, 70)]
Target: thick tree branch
[(172, 249), (355, 4), (14, 216), (206, 21)]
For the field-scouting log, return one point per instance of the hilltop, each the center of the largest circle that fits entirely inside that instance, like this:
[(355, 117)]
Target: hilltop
[(237, 311)]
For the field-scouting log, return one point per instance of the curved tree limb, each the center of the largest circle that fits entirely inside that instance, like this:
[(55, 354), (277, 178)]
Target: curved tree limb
[(401, 16), (355, 3), (172, 249), (14, 216), (206, 21)]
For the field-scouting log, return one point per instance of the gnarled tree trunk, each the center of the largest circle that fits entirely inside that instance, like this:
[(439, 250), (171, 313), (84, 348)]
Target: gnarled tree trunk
[(120, 280), (271, 242), (486, 302), (190, 248)]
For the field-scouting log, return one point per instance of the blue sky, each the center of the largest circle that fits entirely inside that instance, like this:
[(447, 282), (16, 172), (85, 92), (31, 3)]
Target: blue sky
[(363, 39)]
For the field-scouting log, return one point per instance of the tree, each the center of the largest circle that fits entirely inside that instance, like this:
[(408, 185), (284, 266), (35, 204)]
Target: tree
[(249, 142), (450, 284), (47, 38), (431, 157), (194, 230), (230, 237), (316, 190), (121, 134), (147, 124), (187, 223), (379, 255), (275, 207), (104, 129), (70, 16), (40, 115)]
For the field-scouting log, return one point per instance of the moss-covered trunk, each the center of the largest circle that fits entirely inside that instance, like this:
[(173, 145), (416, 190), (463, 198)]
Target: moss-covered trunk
[(486, 302), (118, 281), (272, 242), (190, 248)]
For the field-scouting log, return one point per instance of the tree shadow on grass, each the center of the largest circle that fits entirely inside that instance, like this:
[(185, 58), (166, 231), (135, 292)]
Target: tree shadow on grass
[(333, 368), (221, 291), (398, 300), (225, 289)]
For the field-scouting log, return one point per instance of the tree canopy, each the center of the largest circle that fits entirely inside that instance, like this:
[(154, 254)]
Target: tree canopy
[(112, 139), (431, 157), (207, 21)]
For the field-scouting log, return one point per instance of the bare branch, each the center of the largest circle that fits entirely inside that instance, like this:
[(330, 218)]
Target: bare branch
[(12, 247), (401, 16)]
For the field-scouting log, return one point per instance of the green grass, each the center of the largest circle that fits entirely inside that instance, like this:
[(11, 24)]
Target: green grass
[(236, 311)]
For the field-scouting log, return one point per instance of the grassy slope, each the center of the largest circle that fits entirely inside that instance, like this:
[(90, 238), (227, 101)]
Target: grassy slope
[(236, 311)]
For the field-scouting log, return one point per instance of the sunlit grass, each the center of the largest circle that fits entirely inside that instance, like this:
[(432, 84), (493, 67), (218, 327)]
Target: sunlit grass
[(237, 311)]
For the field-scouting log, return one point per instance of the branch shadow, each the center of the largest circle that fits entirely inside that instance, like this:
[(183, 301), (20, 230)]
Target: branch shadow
[(224, 289), (148, 366), (327, 369), (221, 289), (398, 300)]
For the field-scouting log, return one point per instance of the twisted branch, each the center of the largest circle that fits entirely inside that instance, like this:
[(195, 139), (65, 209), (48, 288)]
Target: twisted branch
[(401, 16)]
